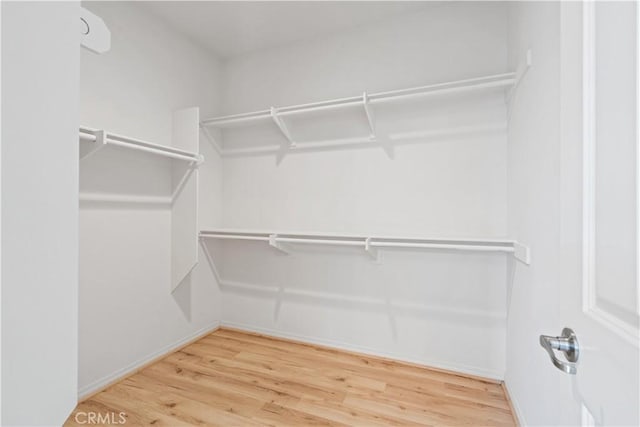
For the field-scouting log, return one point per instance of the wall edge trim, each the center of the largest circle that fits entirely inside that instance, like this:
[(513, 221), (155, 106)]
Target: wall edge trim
[(513, 404)]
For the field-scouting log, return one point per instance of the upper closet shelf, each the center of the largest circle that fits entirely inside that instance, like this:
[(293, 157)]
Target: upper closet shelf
[(371, 244), (278, 116), (101, 139), (505, 80)]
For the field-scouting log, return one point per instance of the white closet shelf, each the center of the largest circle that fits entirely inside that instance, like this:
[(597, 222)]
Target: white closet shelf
[(101, 139), (371, 243), (366, 102), (494, 81)]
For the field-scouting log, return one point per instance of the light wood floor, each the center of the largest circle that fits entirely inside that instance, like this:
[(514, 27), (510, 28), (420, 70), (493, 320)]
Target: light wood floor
[(232, 378)]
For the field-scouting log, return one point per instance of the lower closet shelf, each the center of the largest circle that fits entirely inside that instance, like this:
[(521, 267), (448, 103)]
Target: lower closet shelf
[(371, 244)]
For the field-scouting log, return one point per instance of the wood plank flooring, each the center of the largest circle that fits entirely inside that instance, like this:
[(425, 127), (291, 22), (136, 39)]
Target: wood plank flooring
[(233, 378)]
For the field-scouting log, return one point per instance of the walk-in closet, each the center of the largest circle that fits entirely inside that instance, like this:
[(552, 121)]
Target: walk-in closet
[(340, 213)]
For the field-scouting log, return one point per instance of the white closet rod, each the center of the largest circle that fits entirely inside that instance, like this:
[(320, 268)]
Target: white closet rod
[(139, 145), (465, 247), (234, 237), (335, 242), (408, 245), (382, 242), (498, 80)]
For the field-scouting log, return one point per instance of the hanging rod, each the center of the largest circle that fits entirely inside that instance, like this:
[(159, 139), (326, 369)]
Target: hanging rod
[(493, 81), (368, 243), (103, 138)]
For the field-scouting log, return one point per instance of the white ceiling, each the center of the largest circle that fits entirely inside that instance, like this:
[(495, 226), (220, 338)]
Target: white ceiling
[(231, 28)]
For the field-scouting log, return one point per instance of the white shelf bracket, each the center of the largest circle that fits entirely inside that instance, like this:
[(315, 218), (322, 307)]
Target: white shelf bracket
[(368, 110), (99, 143), (371, 251), (101, 138), (522, 253), (185, 178), (210, 260), (212, 140), (273, 242), (282, 126), (520, 73)]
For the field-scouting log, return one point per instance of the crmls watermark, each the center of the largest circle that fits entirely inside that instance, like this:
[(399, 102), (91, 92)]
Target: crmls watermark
[(98, 418)]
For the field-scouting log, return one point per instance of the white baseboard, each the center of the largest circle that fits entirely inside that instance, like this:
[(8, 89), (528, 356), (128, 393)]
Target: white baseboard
[(517, 412), (463, 369), (107, 380)]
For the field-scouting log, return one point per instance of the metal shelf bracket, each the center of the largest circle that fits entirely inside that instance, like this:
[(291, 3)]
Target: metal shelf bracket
[(520, 73), (99, 143), (368, 110), (522, 253), (371, 251), (273, 242), (212, 140), (279, 121)]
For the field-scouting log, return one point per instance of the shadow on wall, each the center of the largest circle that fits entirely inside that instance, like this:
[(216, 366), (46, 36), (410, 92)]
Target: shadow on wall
[(449, 286), (182, 296)]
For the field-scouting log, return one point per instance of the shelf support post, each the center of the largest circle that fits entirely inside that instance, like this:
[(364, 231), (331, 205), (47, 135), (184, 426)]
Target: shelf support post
[(273, 242), (370, 116), (282, 126)]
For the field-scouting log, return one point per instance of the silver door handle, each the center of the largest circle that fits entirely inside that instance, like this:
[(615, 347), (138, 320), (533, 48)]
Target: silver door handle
[(566, 343)]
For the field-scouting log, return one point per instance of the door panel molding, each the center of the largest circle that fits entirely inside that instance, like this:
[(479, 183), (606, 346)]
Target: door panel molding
[(611, 314)]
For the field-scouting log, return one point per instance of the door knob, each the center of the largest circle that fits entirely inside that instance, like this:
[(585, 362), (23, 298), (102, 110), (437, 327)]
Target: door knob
[(567, 343)]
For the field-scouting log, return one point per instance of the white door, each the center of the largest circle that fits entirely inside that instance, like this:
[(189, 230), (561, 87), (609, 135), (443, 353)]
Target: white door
[(599, 147)]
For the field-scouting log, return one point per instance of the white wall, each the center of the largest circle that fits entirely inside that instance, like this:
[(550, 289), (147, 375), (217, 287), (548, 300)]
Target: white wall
[(534, 213), (127, 313), (39, 212), (442, 185), (452, 183)]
